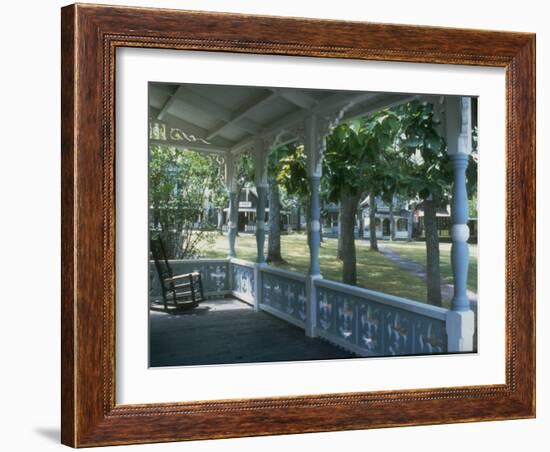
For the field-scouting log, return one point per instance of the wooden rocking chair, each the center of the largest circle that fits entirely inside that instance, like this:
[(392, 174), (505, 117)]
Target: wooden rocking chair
[(178, 291)]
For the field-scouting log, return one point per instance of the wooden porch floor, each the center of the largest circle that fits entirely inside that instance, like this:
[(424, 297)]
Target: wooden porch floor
[(229, 331)]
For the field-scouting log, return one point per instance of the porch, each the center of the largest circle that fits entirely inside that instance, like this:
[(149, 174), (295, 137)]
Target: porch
[(362, 322), (230, 331), (356, 322)]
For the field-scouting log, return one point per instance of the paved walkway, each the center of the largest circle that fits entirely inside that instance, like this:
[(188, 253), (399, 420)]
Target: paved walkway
[(229, 331), (420, 271)]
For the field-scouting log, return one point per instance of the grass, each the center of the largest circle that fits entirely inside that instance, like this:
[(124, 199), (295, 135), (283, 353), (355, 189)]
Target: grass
[(374, 270), (416, 251)]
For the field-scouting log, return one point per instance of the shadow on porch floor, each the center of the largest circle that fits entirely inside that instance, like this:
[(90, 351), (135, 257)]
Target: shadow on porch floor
[(228, 331)]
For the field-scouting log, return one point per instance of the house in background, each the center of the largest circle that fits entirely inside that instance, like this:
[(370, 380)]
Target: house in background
[(247, 204), (405, 221), (401, 217), (395, 223), (329, 219), (246, 217)]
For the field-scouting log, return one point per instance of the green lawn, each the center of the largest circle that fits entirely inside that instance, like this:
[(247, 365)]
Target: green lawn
[(416, 251), (374, 270)]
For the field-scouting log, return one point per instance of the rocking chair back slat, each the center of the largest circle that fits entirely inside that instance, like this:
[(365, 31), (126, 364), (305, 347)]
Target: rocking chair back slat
[(178, 291), (159, 256)]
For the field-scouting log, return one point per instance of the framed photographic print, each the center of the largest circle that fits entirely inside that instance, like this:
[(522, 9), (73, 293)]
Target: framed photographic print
[(281, 225)]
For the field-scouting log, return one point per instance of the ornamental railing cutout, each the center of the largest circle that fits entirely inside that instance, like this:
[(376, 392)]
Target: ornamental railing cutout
[(162, 132)]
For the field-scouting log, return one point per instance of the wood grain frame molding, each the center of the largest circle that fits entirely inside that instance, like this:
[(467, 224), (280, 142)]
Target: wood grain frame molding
[(90, 36)]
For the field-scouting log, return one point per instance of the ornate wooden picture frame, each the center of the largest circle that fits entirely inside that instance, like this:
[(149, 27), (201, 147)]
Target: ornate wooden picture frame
[(90, 37)]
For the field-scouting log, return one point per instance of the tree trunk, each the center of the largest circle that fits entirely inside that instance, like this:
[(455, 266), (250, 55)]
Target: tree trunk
[(274, 239), (339, 248), (361, 227), (306, 217), (392, 221), (348, 211), (432, 253), (220, 221), (372, 223), (410, 225), (298, 215)]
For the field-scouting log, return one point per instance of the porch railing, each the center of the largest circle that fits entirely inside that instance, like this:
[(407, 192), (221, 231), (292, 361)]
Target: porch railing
[(283, 294), (214, 274), (372, 323), (243, 280), (365, 322)]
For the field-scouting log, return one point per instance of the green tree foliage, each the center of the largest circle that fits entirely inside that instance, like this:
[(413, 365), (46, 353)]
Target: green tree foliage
[(276, 197), (219, 200), (181, 185), (293, 171), (395, 153), (426, 169), (426, 173), (292, 179), (356, 163), (244, 171)]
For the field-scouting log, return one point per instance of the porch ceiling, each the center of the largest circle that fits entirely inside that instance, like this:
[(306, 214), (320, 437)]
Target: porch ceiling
[(223, 118)]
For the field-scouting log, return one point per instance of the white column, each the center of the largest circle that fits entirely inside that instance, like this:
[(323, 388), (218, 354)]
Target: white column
[(461, 319), (261, 152), (313, 146), (231, 186)]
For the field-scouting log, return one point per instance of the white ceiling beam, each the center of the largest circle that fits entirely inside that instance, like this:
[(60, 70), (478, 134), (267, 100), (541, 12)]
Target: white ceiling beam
[(199, 147), (249, 126), (298, 98), (165, 88), (189, 97), (380, 102), (238, 119), (330, 102), (178, 123), (186, 96), (242, 113), (166, 107)]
